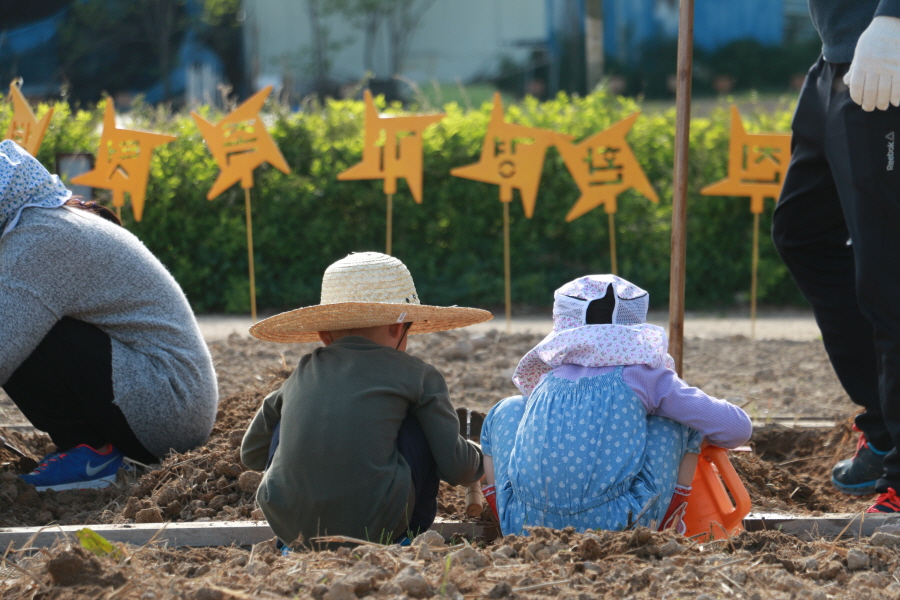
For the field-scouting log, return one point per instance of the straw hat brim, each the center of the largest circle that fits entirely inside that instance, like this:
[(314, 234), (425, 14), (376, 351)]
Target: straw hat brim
[(303, 324)]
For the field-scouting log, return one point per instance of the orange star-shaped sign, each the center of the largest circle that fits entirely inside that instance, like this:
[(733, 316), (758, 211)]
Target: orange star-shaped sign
[(604, 166), (512, 157), (123, 162), (25, 129), (392, 148), (757, 163), (240, 143)]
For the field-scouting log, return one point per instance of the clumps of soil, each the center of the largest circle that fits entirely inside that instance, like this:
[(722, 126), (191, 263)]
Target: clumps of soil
[(33, 446), (478, 367), (211, 483), (207, 483), (244, 364), (790, 469), (546, 564), (22, 506), (768, 378), (76, 566)]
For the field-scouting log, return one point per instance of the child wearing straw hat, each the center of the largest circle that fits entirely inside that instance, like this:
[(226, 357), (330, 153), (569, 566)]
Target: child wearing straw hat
[(357, 439), (606, 432)]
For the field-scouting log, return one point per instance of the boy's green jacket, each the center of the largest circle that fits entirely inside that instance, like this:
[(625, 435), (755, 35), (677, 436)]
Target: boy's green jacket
[(337, 470)]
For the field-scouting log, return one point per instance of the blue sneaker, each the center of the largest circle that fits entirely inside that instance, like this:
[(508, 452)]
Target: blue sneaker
[(80, 468)]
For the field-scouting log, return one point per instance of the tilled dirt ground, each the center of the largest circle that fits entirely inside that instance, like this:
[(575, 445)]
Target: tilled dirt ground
[(787, 472)]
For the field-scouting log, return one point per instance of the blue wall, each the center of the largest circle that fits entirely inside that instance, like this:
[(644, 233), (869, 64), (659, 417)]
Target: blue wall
[(630, 23), (31, 51)]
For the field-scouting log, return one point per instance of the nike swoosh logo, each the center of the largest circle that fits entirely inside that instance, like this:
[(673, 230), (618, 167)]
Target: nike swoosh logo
[(94, 470)]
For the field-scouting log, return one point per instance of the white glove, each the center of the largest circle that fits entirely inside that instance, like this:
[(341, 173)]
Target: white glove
[(874, 75)]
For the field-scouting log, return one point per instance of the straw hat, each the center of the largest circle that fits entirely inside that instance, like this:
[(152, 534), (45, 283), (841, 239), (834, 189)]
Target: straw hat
[(365, 289)]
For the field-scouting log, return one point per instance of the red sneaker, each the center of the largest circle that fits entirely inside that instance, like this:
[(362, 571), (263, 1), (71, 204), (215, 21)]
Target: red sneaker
[(887, 502)]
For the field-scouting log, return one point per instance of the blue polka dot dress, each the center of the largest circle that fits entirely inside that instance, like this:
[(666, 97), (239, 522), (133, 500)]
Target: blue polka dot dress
[(584, 454)]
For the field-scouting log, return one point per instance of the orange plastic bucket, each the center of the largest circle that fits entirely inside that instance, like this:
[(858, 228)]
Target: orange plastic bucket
[(710, 511)]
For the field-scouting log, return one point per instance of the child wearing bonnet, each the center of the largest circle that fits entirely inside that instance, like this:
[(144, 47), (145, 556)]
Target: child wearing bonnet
[(605, 432)]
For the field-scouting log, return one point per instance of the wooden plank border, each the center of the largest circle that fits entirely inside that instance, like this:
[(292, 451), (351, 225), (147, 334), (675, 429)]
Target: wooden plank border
[(827, 526), (247, 533), (193, 534), (211, 533)]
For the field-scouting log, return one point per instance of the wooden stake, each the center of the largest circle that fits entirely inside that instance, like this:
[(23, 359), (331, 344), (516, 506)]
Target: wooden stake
[(506, 268), (754, 277), (474, 500), (250, 255), (474, 494), (390, 220), (119, 213), (679, 197), (612, 242)]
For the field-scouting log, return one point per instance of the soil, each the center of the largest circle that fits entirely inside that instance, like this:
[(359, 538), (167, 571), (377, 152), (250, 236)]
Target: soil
[(786, 471)]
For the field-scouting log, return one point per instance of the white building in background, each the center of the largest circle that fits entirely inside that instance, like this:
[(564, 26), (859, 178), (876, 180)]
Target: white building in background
[(461, 40), (455, 40)]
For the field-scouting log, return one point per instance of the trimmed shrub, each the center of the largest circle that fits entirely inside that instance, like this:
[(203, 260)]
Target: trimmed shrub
[(452, 242)]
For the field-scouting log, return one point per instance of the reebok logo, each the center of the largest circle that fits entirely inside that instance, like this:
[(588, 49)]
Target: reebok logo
[(890, 150), (91, 471)]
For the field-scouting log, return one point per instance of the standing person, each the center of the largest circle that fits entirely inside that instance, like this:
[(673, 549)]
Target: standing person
[(836, 224), (356, 441), (98, 345), (605, 431)]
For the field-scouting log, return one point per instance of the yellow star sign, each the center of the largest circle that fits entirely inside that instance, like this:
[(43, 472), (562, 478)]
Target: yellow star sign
[(123, 162), (512, 157), (240, 143), (392, 148), (25, 129), (757, 163), (604, 166)]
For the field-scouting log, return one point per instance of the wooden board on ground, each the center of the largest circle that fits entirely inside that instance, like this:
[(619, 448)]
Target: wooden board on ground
[(210, 533), (827, 526), (469, 530), (247, 533)]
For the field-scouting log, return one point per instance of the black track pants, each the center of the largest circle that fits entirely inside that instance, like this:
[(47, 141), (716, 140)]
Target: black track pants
[(65, 388), (837, 228)]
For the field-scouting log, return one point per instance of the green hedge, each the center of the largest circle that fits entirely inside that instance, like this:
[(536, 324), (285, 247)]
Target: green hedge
[(453, 242)]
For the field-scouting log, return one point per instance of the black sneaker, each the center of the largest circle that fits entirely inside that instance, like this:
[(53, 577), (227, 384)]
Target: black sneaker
[(858, 475)]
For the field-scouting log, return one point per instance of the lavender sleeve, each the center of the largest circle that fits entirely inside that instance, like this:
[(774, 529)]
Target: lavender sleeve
[(663, 393)]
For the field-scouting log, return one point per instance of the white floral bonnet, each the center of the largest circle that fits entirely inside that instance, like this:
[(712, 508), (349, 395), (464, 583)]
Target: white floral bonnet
[(24, 182), (629, 340)]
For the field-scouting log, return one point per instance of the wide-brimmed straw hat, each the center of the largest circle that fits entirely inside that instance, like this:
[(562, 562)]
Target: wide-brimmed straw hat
[(365, 289)]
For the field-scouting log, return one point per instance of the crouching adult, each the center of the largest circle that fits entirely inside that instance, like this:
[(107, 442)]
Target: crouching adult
[(98, 345)]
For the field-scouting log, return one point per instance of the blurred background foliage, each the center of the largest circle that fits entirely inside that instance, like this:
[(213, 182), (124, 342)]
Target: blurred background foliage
[(452, 242)]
